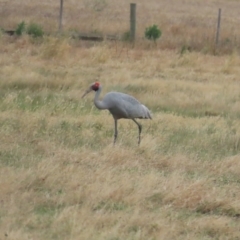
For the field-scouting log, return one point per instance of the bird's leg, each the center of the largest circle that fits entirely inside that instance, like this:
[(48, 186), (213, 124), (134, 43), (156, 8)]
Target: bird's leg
[(139, 129), (115, 131)]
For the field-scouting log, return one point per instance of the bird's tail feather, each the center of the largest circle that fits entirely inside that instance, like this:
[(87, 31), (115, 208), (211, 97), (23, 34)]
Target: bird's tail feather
[(147, 114)]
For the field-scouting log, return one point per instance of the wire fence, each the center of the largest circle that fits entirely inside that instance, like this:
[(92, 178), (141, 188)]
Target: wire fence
[(193, 24)]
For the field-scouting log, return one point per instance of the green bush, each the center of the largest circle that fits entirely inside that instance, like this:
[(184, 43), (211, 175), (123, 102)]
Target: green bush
[(20, 28), (35, 30), (153, 33)]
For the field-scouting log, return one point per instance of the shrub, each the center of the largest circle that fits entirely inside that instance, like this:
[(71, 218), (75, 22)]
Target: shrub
[(153, 33), (20, 28), (35, 30)]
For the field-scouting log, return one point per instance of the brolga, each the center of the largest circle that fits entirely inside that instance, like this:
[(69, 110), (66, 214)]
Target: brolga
[(120, 105)]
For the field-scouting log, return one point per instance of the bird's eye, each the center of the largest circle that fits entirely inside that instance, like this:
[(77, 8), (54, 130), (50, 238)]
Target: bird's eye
[(95, 87)]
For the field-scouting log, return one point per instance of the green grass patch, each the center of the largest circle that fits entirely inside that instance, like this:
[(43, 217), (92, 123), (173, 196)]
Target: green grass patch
[(110, 206), (47, 208), (208, 142)]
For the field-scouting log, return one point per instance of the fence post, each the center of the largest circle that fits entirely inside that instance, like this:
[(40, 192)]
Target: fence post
[(218, 26), (132, 21), (60, 16)]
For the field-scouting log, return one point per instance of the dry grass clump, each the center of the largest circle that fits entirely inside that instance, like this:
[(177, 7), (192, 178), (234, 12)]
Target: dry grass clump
[(55, 48)]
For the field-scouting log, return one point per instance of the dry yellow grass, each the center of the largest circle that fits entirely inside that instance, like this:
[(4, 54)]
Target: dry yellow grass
[(60, 176)]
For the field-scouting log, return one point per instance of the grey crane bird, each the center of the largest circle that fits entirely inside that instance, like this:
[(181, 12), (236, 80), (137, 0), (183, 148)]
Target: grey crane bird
[(120, 105)]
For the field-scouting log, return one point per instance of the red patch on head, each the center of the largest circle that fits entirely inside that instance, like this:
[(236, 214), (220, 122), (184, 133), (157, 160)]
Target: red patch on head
[(95, 86)]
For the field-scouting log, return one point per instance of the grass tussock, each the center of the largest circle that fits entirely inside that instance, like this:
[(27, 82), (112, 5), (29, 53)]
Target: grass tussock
[(55, 48), (60, 176)]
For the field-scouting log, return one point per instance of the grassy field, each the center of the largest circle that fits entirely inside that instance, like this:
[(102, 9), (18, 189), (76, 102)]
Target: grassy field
[(61, 177)]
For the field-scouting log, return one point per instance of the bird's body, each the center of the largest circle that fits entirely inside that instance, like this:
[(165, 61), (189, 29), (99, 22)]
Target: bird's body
[(120, 105)]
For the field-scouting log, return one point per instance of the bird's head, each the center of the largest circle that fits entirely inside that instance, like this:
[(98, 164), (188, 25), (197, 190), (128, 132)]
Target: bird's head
[(93, 87)]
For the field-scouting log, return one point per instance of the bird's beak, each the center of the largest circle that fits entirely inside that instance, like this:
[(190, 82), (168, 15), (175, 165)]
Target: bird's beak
[(88, 91)]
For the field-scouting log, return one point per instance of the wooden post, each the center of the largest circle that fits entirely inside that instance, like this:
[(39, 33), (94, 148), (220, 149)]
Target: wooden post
[(132, 21), (218, 26), (60, 16)]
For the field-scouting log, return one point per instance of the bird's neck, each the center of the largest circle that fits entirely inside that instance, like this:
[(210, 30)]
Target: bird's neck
[(99, 104)]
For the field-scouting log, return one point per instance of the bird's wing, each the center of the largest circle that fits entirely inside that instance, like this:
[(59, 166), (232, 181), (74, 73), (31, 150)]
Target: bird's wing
[(123, 105)]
